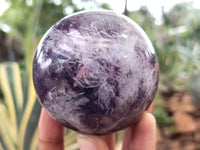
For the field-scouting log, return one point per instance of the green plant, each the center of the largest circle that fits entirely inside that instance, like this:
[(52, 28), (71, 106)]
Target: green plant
[(178, 47), (162, 117), (19, 109)]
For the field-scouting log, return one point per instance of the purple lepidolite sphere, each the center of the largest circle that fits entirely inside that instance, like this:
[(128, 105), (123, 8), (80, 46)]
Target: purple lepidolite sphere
[(95, 72)]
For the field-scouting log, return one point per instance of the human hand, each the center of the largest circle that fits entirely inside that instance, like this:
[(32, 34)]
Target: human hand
[(140, 136)]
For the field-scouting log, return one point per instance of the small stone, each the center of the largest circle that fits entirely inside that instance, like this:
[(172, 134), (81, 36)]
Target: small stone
[(198, 125), (186, 137), (197, 136), (178, 103), (175, 145), (184, 122), (166, 131), (189, 146)]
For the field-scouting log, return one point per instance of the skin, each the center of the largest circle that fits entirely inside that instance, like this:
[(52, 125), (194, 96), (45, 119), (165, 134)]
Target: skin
[(140, 136)]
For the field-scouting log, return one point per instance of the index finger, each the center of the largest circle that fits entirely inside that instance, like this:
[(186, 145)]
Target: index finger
[(51, 133), (142, 135)]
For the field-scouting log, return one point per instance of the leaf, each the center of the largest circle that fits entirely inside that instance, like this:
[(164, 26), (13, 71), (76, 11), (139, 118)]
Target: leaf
[(31, 100), (19, 110), (32, 125), (5, 137), (8, 98)]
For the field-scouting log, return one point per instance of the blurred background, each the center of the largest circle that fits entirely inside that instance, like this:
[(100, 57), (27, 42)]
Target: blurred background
[(174, 29)]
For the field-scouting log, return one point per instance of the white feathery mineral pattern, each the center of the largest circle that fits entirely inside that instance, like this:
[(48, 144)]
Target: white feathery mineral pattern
[(95, 72)]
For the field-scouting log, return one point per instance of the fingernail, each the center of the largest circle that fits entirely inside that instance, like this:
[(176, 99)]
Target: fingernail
[(86, 142)]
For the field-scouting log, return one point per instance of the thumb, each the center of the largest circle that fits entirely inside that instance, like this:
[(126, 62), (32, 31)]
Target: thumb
[(91, 142)]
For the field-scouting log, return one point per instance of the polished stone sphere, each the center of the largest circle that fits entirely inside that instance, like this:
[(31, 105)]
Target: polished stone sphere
[(95, 72)]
